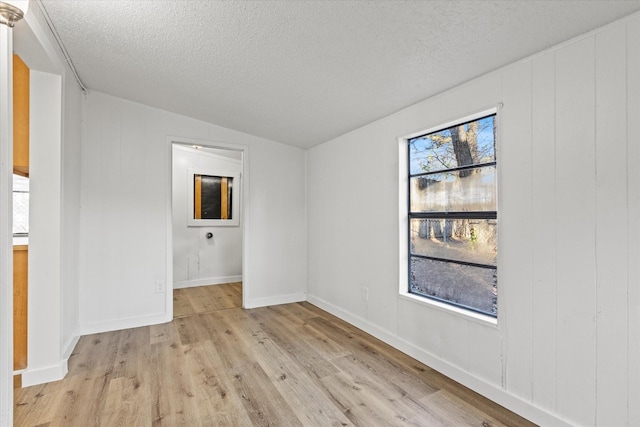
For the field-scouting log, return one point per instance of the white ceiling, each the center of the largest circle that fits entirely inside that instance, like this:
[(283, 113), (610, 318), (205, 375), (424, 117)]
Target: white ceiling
[(303, 72)]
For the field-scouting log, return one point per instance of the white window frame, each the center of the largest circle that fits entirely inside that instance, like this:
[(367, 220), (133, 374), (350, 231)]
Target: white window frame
[(235, 199), (403, 221)]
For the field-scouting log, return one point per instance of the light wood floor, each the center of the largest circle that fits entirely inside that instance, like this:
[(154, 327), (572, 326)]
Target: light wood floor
[(205, 299), (287, 365)]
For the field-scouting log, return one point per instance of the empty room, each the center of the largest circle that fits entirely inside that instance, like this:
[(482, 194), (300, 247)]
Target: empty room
[(319, 213)]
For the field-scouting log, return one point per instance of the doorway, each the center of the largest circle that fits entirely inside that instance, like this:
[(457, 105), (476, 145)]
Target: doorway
[(208, 188)]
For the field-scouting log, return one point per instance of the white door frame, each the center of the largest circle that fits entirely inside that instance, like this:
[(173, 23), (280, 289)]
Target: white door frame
[(244, 211), (6, 227)]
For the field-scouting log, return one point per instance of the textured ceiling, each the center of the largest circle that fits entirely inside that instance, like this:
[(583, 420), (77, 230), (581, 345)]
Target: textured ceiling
[(303, 72)]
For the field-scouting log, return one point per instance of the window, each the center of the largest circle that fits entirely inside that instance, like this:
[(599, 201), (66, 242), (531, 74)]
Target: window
[(20, 205), (213, 198), (452, 222)]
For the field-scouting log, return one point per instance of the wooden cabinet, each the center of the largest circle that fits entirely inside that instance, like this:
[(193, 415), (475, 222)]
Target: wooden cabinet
[(20, 279), (20, 117), (20, 252)]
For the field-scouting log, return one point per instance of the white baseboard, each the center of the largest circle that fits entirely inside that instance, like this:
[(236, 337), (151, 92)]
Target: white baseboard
[(275, 300), (43, 375), (119, 324), (490, 391), (68, 346), (31, 376), (205, 282)]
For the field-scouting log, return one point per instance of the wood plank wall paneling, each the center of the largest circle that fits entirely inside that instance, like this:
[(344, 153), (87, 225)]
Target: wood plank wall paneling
[(568, 333), (575, 238), (516, 224), (576, 108), (20, 116), (611, 226), (633, 218), (543, 159), (20, 306)]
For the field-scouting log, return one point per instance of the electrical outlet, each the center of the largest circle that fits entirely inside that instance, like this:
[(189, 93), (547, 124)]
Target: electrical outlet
[(365, 293), (159, 286)]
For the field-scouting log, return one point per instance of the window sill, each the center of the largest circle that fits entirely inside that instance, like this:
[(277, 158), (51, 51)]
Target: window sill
[(452, 310)]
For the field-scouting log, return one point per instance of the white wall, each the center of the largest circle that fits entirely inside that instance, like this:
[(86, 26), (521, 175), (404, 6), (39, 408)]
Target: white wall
[(54, 211), (6, 236), (126, 189), (44, 296), (566, 346), (198, 260), (70, 193)]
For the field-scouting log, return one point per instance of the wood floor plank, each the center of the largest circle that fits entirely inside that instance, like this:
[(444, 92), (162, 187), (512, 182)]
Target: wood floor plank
[(385, 384), (206, 299), (214, 390), (293, 313), (95, 354), (37, 405), (325, 346), (228, 297), (378, 356), (181, 303), (233, 351), (284, 336), (165, 332), (459, 412), (202, 300), (304, 392), (286, 365), (127, 404), (261, 400), (171, 396), (235, 293), (364, 407), (83, 399), (386, 390), (133, 353), (191, 329), (407, 380)]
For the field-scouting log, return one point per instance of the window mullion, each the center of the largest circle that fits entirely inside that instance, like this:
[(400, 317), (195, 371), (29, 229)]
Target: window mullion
[(454, 215)]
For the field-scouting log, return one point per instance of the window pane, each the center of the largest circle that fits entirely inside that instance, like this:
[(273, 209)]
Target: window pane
[(212, 197), (20, 205), (467, 240), (461, 145), (461, 191), (472, 287), (20, 213)]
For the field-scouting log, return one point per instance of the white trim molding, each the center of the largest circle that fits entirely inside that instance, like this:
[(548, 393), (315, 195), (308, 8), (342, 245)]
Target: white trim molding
[(274, 300), (206, 282)]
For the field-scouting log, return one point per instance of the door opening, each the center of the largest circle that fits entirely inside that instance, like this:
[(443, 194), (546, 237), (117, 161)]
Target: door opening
[(207, 209)]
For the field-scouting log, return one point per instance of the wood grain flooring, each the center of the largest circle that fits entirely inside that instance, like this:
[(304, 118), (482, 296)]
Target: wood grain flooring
[(205, 299), (219, 365)]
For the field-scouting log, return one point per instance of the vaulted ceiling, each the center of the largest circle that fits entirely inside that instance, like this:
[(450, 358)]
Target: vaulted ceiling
[(303, 72)]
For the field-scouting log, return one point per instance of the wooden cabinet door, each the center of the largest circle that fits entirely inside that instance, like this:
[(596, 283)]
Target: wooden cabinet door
[(20, 260), (20, 117)]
